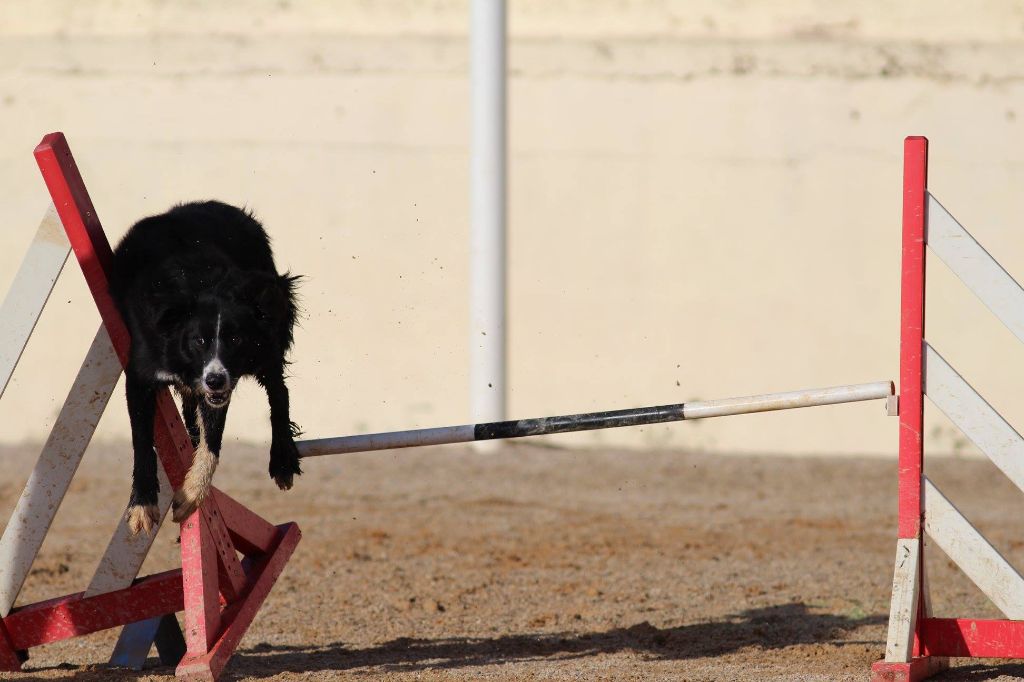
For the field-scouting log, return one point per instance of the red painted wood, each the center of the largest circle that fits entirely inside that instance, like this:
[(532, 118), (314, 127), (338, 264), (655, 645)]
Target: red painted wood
[(73, 615), (238, 616), (201, 585), (915, 181), (970, 637), (251, 533), (210, 564), (10, 658), (918, 669), (60, 172), (231, 575)]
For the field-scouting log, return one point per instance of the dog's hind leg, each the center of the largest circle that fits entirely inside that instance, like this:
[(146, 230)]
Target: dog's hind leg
[(196, 487), (284, 456), (143, 513)]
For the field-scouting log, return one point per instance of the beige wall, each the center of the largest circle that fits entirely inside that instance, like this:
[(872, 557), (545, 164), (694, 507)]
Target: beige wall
[(705, 196)]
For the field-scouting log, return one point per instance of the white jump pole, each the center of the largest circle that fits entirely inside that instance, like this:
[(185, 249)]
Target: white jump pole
[(487, 343), (467, 433)]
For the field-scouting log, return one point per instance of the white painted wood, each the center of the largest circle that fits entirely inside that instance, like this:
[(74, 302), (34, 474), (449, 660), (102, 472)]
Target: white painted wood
[(125, 554), (975, 267), (56, 466), (29, 291), (972, 553), (385, 441), (899, 644), (810, 397), (975, 418)]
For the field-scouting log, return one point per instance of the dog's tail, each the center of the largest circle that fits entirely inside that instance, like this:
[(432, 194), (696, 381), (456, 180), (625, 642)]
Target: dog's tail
[(289, 284)]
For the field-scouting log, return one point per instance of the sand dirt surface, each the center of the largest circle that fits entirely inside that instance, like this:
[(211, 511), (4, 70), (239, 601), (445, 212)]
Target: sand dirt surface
[(536, 563)]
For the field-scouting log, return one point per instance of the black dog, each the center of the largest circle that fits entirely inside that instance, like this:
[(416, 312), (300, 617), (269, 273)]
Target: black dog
[(205, 306)]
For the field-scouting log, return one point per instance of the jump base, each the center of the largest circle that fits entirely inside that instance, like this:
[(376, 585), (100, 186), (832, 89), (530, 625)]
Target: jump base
[(919, 668)]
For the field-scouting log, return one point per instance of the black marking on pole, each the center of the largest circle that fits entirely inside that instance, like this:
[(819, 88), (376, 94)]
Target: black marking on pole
[(579, 422)]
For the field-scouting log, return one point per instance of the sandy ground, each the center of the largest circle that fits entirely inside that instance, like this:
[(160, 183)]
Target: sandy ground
[(537, 563)]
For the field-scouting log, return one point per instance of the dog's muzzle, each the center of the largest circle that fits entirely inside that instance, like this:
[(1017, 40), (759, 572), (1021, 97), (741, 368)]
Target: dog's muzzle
[(216, 389)]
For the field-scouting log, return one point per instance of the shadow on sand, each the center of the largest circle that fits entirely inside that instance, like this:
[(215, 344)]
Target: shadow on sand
[(768, 628)]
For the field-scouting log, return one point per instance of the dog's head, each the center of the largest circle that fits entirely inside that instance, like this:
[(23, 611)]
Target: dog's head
[(225, 332)]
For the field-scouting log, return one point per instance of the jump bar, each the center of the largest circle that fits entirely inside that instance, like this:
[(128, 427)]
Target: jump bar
[(596, 420)]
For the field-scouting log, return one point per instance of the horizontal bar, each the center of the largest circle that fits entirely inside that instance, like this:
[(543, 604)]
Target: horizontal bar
[(595, 420), (792, 399), (970, 637)]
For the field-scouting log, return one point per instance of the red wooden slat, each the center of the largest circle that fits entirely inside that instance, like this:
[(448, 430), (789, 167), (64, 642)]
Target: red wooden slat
[(251, 533), (60, 172), (915, 182), (73, 615), (238, 616), (232, 579), (970, 637), (200, 584)]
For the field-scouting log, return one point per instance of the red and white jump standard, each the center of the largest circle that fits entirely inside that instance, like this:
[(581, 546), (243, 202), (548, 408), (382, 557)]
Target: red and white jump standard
[(918, 644), (219, 593)]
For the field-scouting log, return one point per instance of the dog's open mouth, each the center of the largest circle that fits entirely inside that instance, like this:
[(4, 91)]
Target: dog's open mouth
[(217, 398)]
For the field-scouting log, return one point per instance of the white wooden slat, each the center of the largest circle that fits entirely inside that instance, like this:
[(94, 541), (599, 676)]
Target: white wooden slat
[(29, 291), (975, 418), (975, 267), (125, 554), (972, 553), (899, 644), (56, 466)]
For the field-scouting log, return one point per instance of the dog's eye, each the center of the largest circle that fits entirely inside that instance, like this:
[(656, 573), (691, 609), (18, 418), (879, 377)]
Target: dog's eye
[(236, 340), (199, 341)]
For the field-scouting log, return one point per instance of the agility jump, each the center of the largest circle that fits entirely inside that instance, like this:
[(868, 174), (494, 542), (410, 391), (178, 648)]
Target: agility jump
[(220, 595)]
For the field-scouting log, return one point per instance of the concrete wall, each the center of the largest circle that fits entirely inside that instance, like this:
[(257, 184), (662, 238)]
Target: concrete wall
[(705, 196)]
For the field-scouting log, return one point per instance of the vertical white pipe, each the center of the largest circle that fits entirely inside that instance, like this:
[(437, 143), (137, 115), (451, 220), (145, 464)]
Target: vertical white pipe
[(488, 212)]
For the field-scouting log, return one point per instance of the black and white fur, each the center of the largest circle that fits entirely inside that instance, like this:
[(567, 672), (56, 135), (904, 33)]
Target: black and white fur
[(205, 306)]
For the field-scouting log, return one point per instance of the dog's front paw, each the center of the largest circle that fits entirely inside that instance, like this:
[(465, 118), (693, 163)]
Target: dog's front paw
[(142, 517), (284, 463), (182, 505)]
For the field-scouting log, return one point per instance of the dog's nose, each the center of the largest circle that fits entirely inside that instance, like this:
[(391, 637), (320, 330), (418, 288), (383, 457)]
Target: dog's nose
[(216, 381)]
